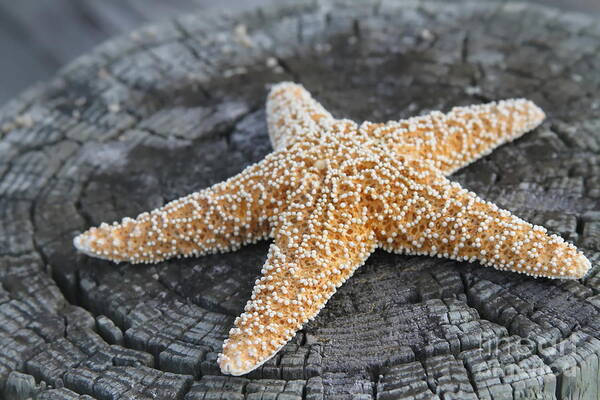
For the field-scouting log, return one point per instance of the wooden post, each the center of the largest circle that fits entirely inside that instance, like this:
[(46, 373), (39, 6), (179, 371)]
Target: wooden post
[(175, 107)]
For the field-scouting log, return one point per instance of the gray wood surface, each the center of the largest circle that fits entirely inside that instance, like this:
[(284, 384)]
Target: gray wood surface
[(164, 111), (39, 37)]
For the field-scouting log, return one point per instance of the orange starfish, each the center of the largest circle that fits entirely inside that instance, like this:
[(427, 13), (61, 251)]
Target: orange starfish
[(331, 193)]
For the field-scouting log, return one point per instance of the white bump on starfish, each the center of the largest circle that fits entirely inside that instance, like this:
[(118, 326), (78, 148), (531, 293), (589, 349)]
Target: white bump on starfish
[(332, 192)]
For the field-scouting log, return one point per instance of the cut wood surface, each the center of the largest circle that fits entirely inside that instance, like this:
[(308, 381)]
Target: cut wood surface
[(173, 108)]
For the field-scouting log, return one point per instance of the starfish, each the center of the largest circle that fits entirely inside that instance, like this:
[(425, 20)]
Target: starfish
[(330, 193)]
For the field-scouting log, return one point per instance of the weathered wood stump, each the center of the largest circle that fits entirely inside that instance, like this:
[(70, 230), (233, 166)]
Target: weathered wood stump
[(171, 109)]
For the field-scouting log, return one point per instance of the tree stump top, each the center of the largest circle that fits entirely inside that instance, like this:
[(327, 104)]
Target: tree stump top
[(173, 108)]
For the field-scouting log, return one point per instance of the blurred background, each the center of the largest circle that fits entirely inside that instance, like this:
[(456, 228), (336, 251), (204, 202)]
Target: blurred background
[(37, 37)]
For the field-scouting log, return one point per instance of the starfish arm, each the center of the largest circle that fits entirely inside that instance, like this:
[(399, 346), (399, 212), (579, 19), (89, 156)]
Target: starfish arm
[(303, 270), (292, 113), (220, 218), (456, 139), (446, 220)]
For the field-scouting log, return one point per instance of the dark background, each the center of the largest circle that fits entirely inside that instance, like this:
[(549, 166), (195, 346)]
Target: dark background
[(37, 37)]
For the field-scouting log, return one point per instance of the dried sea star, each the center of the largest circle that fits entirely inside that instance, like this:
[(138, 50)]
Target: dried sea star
[(332, 192)]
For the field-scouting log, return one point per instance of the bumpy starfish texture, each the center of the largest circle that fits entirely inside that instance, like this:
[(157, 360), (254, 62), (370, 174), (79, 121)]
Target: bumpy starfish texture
[(332, 192)]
